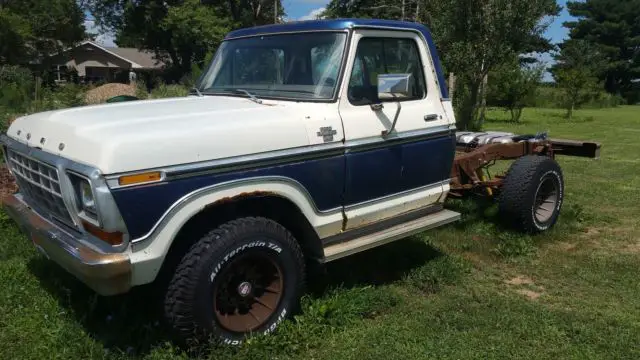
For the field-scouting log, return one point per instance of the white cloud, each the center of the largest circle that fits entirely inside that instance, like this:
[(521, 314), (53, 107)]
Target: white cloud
[(104, 39), (313, 14)]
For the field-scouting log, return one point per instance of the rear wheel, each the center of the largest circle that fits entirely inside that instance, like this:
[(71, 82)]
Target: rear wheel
[(242, 278), (532, 193)]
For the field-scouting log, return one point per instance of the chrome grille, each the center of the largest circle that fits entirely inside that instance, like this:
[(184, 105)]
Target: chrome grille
[(39, 182)]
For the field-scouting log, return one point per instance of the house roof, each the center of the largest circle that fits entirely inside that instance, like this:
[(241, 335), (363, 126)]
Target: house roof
[(144, 58), (139, 59)]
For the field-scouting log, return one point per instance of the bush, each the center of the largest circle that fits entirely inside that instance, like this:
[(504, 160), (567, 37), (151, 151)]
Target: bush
[(16, 89), (549, 96), (167, 91), (513, 86)]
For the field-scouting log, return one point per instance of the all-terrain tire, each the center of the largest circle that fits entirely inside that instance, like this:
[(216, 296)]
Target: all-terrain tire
[(210, 267), (532, 194)]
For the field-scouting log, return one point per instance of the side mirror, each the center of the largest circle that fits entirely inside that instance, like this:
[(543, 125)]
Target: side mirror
[(393, 86)]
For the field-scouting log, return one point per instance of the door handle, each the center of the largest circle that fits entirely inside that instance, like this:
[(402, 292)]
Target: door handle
[(432, 117)]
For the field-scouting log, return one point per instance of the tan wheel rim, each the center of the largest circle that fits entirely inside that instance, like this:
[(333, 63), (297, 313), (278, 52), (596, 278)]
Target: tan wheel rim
[(247, 292)]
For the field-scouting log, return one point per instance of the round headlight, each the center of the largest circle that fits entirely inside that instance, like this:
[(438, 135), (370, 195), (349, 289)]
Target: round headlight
[(86, 197)]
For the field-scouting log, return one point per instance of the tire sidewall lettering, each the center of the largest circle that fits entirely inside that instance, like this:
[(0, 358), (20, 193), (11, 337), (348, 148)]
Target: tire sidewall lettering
[(231, 254), (281, 317), (265, 244)]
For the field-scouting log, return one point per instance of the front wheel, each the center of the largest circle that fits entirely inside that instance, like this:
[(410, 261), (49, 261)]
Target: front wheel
[(240, 279), (532, 193)]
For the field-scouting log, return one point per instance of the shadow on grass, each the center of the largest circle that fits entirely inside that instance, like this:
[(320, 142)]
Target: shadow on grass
[(128, 323), (132, 323), (382, 265)]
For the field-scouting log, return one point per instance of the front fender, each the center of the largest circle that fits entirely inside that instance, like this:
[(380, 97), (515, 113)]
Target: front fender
[(148, 252)]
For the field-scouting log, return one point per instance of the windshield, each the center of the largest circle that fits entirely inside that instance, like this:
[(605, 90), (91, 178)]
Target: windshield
[(293, 66)]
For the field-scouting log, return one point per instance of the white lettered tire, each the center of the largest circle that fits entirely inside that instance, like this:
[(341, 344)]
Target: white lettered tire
[(532, 193), (243, 278)]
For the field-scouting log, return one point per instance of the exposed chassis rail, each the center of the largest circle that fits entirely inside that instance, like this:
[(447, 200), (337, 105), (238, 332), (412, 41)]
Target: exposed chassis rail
[(471, 162)]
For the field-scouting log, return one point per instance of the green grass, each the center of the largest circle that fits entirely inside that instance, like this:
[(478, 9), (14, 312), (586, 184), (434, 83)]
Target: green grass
[(470, 290)]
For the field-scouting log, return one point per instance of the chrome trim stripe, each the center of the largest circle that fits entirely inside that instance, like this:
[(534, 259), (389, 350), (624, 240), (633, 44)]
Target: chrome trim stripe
[(380, 225), (402, 138), (278, 157), (184, 200), (396, 195)]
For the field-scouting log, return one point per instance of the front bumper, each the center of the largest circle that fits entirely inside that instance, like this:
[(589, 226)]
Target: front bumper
[(106, 273)]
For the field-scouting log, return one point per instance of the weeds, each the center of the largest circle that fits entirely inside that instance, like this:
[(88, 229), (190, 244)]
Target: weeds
[(416, 298)]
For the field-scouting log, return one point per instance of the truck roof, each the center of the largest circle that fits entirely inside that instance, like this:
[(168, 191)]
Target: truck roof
[(325, 25), (345, 24)]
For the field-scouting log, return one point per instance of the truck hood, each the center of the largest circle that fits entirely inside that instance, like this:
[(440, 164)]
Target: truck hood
[(137, 135)]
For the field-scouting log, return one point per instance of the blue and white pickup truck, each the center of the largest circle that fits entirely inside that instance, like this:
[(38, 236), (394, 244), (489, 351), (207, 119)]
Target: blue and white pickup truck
[(302, 142)]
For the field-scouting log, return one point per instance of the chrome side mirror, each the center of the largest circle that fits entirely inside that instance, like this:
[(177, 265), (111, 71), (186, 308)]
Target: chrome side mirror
[(393, 86)]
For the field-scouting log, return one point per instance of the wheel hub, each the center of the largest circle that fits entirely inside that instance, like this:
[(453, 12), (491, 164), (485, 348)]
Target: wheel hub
[(244, 289), (247, 292)]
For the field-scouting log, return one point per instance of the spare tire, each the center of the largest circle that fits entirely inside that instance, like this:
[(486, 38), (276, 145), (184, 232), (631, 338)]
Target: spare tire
[(532, 193)]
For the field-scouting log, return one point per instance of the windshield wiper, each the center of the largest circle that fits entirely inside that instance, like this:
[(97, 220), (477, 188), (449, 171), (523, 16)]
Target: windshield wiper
[(197, 91), (250, 95)]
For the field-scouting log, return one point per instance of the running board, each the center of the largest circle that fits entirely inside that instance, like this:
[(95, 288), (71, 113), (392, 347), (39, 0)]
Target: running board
[(397, 232)]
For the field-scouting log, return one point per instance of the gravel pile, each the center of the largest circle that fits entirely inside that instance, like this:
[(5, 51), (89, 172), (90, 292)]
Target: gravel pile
[(106, 91)]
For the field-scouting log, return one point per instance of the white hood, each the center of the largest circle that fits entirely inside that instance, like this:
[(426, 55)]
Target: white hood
[(146, 134)]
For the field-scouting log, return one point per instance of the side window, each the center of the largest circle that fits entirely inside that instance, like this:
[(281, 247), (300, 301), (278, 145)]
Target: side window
[(376, 56)]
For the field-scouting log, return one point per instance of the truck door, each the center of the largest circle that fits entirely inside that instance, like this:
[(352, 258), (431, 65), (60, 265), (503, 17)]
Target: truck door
[(404, 170)]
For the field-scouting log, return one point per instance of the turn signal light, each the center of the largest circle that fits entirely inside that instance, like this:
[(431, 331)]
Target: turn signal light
[(140, 178), (114, 238)]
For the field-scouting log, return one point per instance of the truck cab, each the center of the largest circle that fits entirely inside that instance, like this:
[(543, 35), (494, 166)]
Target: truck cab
[(302, 142)]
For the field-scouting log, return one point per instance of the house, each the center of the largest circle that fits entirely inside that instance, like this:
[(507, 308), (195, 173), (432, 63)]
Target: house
[(94, 63)]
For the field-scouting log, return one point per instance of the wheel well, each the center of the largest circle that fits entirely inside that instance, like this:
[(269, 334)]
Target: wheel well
[(273, 207)]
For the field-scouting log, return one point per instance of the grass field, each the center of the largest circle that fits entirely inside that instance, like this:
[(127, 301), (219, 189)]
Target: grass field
[(470, 290)]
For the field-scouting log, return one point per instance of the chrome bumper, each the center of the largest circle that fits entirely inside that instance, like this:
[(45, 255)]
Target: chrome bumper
[(106, 273)]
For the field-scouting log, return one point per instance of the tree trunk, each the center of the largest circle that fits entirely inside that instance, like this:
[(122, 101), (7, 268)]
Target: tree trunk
[(516, 114), (570, 111), (469, 107), (483, 100), (416, 17), (403, 3), (452, 85)]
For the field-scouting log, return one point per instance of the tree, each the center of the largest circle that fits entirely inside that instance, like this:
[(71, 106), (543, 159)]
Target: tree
[(474, 37), (184, 31), (477, 36), (31, 30), (575, 73), (613, 27), (373, 9), (513, 85)]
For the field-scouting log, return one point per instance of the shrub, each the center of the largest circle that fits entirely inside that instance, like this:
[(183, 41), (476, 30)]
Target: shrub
[(167, 91), (513, 86), (16, 88)]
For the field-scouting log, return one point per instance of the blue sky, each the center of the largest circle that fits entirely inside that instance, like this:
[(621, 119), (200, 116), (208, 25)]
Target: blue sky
[(306, 9)]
